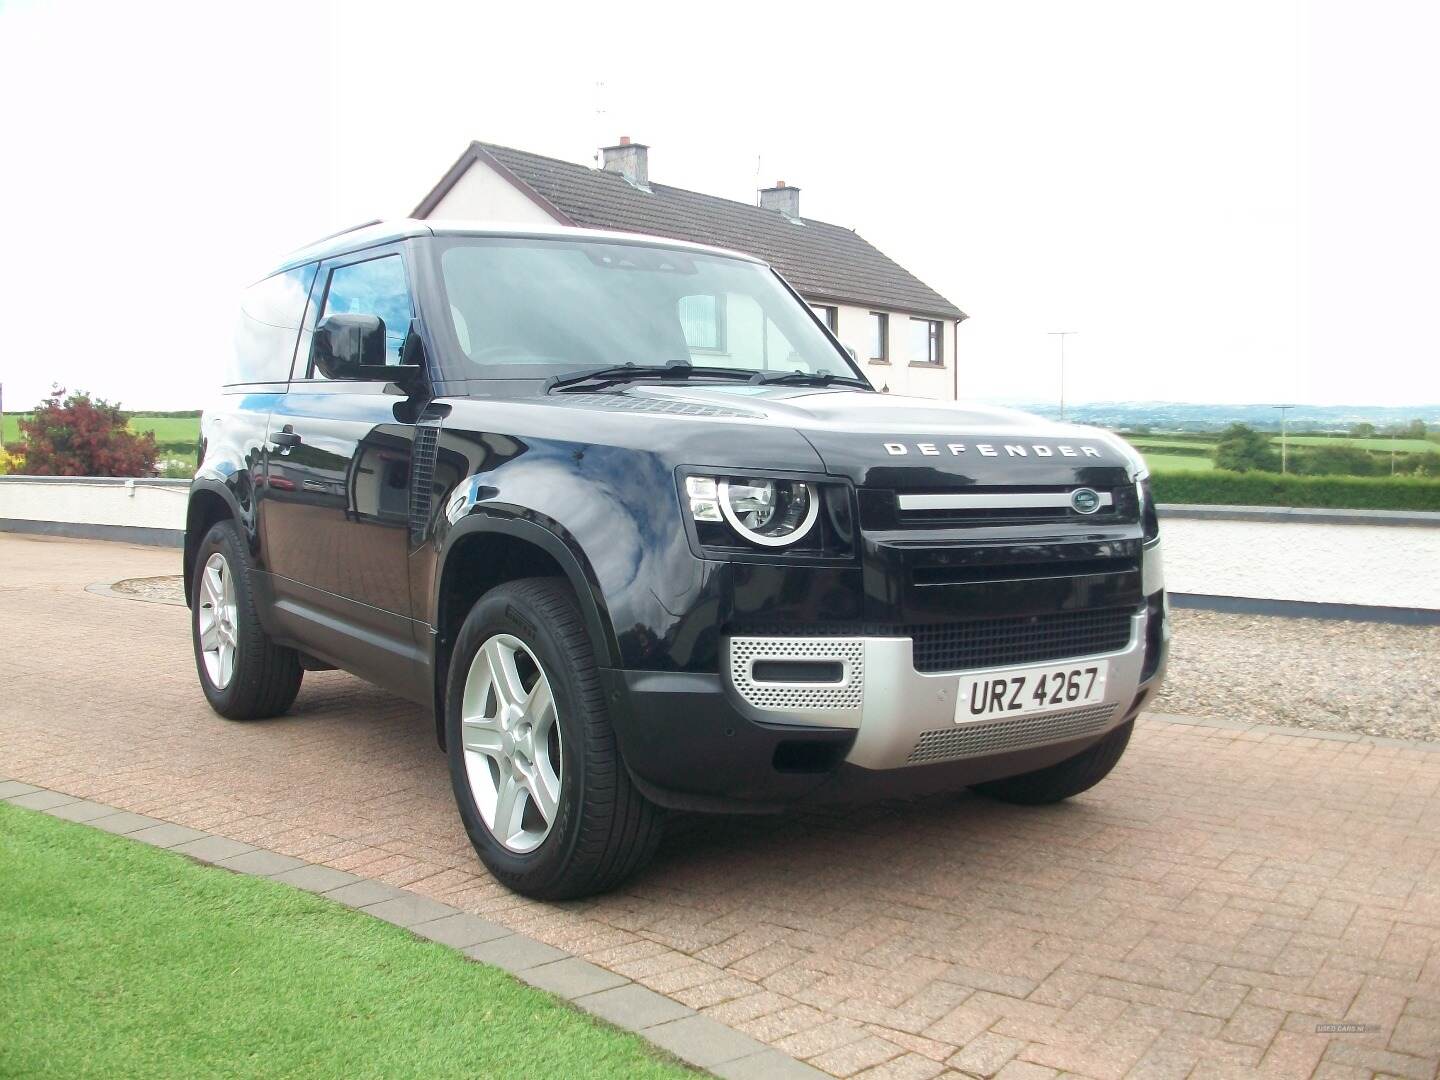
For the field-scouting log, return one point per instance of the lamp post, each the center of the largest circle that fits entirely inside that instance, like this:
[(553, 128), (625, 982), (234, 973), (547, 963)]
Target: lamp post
[(1284, 443), (1062, 335)]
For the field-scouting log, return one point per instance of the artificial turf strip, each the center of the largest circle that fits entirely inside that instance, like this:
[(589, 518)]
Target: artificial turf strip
[(120, 960)]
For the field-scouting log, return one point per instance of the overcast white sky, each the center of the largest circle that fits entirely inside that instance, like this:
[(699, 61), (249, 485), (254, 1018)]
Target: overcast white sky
[(1234, 202)]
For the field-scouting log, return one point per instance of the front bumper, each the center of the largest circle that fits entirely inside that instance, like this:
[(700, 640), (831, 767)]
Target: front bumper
[(738, 741), (903, 717)]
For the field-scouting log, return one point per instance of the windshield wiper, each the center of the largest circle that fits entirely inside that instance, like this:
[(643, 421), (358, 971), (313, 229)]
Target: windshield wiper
[(811, 378), (619, 373)]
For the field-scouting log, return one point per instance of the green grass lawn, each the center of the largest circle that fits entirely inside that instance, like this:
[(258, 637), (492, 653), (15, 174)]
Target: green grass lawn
[(120, 960), (1192, 462)]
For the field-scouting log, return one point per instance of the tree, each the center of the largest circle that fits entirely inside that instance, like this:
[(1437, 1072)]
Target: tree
[(78, 436), (1243, 449), (1333, 460), (1363, 430), (1415, 430)]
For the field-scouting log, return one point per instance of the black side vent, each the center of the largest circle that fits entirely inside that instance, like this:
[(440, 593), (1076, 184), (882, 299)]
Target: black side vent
[(422, 477)]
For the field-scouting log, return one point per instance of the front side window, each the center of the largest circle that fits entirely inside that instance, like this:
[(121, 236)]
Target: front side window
[(523, 307), (271, 314), (373, 287), (927, 342), (880, 337)]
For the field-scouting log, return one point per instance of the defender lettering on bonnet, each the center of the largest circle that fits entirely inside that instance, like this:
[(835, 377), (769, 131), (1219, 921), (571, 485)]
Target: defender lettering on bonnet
[(1040, 450)]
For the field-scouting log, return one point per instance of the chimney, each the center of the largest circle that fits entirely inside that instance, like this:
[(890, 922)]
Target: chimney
[(782, 198), (630, 160)]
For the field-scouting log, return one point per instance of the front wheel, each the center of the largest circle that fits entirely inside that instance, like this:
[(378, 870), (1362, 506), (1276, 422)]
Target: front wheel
[(537, 774), (1065, 778)]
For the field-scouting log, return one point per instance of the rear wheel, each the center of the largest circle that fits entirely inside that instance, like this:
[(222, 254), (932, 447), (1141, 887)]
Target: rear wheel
[(1065, 778), (538, 777), (245, 676)]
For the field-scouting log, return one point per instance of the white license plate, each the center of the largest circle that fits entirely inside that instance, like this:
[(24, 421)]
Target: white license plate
[(1019, 691)]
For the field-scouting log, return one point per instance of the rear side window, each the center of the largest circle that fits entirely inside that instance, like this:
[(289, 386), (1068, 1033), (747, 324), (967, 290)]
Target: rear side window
[(373, 287), (271, 314)]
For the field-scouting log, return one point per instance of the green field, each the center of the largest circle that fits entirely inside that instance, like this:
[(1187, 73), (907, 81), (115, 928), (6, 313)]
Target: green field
[(169, 430), (121, 960), (1170, 442), (1402, 446), (1163, 462)]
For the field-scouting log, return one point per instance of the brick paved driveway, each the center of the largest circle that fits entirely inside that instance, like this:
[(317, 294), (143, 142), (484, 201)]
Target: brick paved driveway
[(1199, 914)]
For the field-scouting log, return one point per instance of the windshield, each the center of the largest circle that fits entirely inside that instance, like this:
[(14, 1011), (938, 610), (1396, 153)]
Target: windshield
[(527, 308)]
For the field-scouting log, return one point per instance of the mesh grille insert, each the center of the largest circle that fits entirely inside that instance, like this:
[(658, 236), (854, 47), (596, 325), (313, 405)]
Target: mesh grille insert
[(847, 692), (970, 740), (1027, 640)]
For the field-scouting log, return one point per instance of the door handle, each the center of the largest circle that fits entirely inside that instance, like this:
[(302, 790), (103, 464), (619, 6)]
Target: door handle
[(285, 437)]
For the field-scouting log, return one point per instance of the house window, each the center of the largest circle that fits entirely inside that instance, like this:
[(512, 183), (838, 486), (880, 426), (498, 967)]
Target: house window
[(702, 318), (828, 314), (879, 337), (927, 342)]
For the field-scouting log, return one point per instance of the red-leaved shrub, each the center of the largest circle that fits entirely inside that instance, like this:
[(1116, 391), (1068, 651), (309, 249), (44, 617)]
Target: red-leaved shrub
[(81, 436)]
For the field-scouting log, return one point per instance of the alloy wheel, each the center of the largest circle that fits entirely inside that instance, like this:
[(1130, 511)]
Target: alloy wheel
[(218, 634), (510, 733)]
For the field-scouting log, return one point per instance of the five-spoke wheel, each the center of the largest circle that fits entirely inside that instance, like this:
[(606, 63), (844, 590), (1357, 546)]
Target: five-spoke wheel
[(512, 740), (216, 614), (538, 777)]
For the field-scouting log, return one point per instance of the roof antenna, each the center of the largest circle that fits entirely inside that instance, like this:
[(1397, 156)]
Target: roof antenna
[(599, 121), (757, 179)]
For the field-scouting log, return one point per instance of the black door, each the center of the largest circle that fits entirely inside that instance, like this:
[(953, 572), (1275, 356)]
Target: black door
[(336, 522)]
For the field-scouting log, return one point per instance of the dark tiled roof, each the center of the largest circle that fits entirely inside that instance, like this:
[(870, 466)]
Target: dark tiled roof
[(822, 261)]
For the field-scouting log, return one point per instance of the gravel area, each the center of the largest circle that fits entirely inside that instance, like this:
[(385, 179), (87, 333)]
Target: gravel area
[(168, 589), (1363, 678)]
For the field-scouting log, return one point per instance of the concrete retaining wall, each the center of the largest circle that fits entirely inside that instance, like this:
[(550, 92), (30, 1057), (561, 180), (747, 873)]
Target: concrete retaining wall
[(1368, 565), (99, 507)]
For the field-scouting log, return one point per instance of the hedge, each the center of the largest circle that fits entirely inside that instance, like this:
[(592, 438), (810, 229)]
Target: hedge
[(1218, 486)]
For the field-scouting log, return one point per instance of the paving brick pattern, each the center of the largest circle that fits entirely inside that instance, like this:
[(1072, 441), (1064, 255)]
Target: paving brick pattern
[(1223, 895)]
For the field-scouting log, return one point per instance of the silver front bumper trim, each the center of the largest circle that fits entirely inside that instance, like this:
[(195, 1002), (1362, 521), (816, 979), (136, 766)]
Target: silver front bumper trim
[(905, 717)]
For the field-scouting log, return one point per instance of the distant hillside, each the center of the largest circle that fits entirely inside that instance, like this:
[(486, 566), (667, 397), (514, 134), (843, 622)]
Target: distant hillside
[(1179, 416)]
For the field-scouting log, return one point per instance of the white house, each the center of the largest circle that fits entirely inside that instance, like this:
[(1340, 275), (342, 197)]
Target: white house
[(900, 329)]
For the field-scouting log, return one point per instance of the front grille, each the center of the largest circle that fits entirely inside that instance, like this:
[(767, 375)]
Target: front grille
[(1122, 506), (972, 740), (994, 642)]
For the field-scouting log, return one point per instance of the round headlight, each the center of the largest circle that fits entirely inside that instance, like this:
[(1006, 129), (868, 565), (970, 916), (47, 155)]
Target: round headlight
[(772, 513)]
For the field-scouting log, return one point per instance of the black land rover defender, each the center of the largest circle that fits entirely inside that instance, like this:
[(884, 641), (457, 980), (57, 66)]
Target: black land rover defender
[(624, 514)]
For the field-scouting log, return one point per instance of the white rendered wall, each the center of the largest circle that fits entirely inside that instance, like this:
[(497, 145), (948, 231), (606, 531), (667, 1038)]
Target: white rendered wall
[(900, 375), (1385, 565), (482, 194), (148, 504)]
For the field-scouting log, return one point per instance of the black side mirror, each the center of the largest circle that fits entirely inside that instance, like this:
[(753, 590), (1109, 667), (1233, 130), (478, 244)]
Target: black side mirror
[(352, 348)]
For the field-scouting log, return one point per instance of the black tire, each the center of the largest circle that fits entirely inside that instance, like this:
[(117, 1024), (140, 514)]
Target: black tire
[(604, 830), (266, 676), (1065, 778)]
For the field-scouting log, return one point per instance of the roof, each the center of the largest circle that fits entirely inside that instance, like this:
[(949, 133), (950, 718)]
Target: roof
[(375, 233), (822, 261)]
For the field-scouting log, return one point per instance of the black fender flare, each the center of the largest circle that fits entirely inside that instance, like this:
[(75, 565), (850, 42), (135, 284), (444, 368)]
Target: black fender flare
[(209, 485), (551, 538)]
